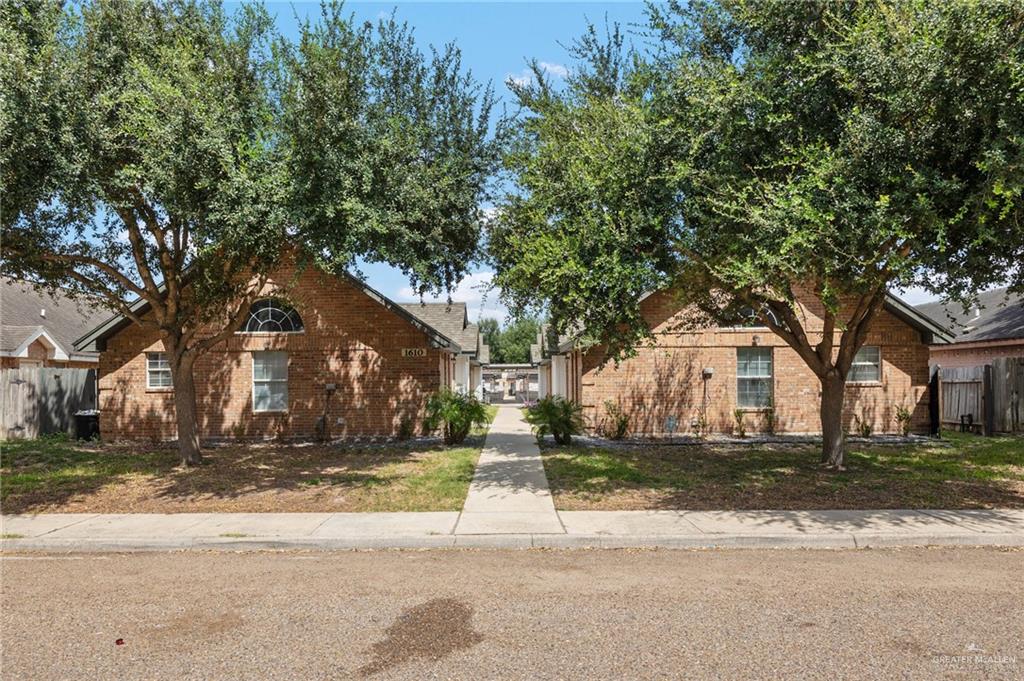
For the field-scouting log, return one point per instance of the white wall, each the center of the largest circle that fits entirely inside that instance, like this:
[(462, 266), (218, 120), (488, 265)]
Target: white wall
[(476, 381), (558, 384), (462, 374)]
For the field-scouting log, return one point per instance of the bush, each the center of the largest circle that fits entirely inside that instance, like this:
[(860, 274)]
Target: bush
[(405, 429), (455, 414), (862, 426), (616, 421), (741, 426), (555, 416), (903, 417)]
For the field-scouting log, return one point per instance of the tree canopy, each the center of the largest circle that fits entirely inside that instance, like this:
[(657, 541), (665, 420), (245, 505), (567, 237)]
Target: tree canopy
[(766, 149), (510, 345)]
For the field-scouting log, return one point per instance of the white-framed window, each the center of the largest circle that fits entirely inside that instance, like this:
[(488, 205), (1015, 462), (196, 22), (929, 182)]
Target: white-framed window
[(753, 378), (747, 318), (270, 381), (158, 371), (271, 315), (867, 365)]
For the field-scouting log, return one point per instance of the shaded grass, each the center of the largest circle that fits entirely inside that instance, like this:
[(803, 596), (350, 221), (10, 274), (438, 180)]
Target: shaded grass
[(961, 471), (56, 475)]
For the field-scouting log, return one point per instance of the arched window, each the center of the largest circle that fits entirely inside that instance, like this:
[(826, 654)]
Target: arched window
[(271, 315)]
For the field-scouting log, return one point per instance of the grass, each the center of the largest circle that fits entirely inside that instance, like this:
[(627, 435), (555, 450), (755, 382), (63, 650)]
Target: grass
[(961, 471), (11, 535), (54, 475)]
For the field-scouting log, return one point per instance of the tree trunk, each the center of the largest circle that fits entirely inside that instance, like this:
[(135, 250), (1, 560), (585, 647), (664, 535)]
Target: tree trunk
[(833, 443), (184, 382)]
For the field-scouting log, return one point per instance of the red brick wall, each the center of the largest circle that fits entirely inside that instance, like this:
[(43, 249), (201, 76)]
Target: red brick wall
[(349, 340), (664, 379), (953, 356)]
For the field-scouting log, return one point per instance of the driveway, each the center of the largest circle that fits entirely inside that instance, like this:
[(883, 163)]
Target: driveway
[(921, 613)]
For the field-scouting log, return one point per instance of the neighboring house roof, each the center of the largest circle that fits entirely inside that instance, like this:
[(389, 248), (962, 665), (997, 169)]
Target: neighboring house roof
[(27, 315), (998, 315), (452, 320), (96, 339)]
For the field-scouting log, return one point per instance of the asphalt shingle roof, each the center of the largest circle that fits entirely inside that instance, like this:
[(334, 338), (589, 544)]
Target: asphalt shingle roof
[(20, 317), (451, 320), (998, 315)]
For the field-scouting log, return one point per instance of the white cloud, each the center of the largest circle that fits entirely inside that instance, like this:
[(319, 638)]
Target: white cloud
[(475, 290), (555, 70), (525, 77), (522, 79)]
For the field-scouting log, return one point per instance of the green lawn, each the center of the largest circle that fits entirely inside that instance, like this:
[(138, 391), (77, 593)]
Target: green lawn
[(961, 471), (56, 475)]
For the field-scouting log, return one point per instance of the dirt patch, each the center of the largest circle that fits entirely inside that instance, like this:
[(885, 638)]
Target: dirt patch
[(430, 631)]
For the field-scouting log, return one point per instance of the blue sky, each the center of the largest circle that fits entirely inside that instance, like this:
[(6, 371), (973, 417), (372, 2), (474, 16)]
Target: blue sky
[(497, 39)]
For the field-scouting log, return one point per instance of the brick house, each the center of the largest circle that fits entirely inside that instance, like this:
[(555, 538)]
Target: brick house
[(683, 375), (316, 346), (38, 329), (991, 329), (452, 319)]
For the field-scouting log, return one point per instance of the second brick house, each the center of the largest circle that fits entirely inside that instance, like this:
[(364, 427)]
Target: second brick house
[(683, 380), (317, 348)]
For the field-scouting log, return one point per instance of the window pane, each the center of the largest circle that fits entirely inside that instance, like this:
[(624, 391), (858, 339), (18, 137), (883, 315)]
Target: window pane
[(270, 366), (270, 396), (157, 360), (754, 392), (754, 362), (272, 316), (867, 364), (753, 377), (159, 379)]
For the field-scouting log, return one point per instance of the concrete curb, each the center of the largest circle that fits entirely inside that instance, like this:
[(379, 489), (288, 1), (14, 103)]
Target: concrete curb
[(514, 541)]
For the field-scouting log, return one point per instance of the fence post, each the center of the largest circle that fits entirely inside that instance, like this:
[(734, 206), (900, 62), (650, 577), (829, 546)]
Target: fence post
[(934, 408), (988, 403)]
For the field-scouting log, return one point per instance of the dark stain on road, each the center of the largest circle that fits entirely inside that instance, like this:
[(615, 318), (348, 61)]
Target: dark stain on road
[(431, 630)]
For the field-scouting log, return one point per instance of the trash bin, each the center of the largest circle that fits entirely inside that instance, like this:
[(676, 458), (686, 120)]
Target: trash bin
[(87, 424)]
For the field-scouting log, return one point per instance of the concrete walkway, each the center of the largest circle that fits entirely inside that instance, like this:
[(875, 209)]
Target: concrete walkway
[(610, 529), (509, 493)]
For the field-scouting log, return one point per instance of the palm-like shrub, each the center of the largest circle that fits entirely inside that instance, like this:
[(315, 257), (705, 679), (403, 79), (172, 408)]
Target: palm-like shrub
[(455, 414), (555, 416)]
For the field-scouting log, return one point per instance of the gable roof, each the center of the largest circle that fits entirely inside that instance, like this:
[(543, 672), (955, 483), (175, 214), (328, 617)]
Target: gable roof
[(451, 319), (27, 314), (932, 333), (96, 339), (998, 315)]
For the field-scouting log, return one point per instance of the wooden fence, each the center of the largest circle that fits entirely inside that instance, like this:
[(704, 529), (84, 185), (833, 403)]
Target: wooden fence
[(993, 396), (42, 401)]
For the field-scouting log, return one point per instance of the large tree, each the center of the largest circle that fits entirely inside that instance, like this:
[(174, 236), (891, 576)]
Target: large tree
[(166, 151), (769, 150)]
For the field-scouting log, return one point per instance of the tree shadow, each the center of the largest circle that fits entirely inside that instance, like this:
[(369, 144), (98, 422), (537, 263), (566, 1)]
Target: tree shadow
[(784, 477), (61, 476)]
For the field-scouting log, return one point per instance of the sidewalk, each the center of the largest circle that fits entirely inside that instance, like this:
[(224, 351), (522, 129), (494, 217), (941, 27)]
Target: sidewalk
[(606, 529), (509, 493)]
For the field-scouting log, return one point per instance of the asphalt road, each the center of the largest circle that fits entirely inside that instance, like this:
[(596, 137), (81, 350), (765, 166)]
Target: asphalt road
[(927, 614)]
